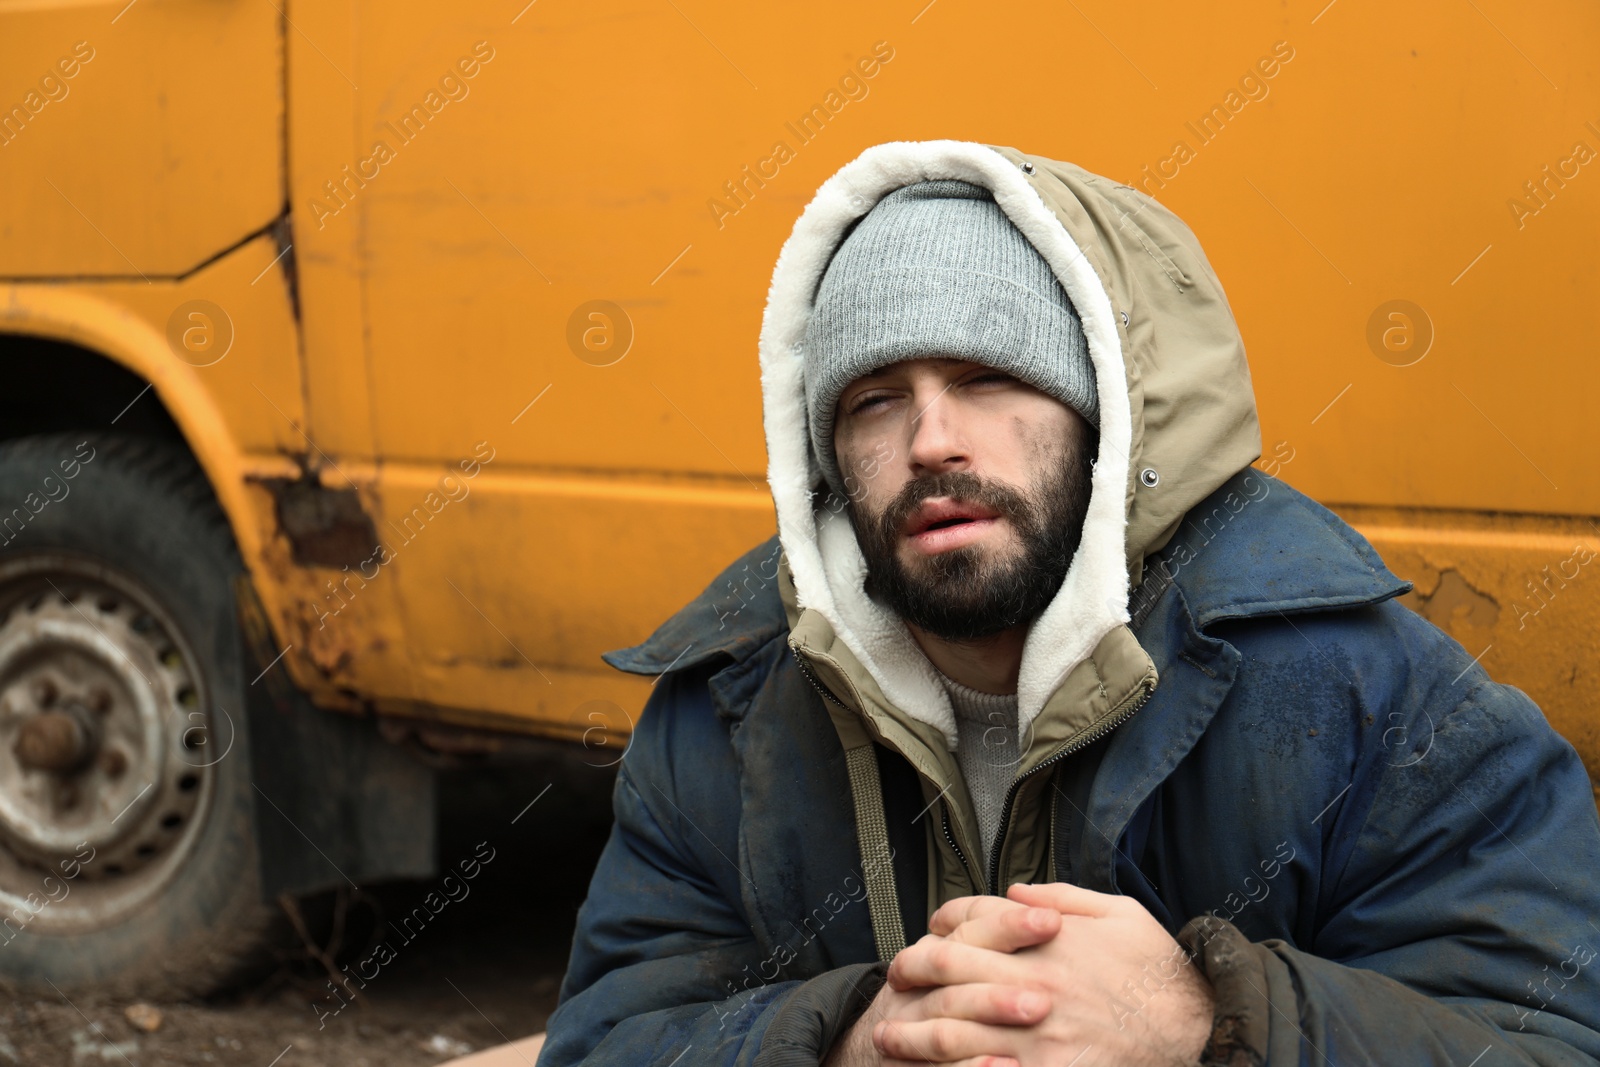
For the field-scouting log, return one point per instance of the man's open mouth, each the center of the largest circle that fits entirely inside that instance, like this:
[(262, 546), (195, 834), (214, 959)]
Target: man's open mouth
[(943, 514)]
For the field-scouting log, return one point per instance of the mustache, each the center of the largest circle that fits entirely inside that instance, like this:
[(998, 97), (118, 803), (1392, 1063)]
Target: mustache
[(963, 486)]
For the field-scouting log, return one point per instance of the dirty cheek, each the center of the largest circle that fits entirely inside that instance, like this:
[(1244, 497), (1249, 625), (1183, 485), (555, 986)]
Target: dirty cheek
[(1033, 440), (858, 453), (845, 451)]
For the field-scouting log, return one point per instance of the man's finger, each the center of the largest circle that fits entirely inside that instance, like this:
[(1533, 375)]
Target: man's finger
[(991, 1003), (1067, 899), (938, 961), (1009, 929), (975, 1061), (943, 1041), (952, 913)]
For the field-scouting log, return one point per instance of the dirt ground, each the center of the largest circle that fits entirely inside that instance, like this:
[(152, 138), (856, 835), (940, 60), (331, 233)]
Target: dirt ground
[(484, 972)]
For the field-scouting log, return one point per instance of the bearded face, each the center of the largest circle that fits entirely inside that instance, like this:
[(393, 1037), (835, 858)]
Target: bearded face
[(955, 584)]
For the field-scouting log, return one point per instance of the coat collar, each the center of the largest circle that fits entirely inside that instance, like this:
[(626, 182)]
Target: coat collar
[(1257, 546), (733, 616)]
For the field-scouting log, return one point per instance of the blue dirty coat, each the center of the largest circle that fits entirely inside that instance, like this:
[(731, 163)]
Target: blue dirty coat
[(1387, 857)]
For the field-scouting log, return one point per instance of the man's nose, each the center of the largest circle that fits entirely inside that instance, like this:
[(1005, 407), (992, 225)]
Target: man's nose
[(939, 441)]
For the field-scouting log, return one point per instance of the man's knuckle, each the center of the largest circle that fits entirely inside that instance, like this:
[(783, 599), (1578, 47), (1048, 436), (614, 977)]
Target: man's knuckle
[(943, 1037)]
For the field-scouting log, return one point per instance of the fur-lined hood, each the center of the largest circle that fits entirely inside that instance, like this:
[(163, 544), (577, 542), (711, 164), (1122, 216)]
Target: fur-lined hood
[(1177, 409)]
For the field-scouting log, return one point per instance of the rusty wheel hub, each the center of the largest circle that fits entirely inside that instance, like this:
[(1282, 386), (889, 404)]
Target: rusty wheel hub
[(106, 743)]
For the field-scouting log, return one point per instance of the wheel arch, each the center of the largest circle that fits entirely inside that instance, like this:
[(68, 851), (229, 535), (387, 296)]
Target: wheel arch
[(95, 338)]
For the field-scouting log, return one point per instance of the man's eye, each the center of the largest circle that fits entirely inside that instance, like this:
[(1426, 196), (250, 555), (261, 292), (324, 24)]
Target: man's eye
[(868, 403)]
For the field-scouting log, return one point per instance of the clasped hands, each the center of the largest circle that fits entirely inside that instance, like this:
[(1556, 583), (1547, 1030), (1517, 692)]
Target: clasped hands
[(1046, 975)]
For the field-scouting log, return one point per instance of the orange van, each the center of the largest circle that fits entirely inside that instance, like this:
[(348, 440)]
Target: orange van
[(368, 369)]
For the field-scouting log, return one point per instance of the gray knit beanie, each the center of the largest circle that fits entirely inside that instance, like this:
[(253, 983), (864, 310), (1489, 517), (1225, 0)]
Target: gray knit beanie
[(937, 269)]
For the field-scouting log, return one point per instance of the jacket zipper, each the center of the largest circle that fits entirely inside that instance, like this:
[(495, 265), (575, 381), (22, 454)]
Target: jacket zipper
[(1105, 726), (944, 816), (816, 683), (944, 811)]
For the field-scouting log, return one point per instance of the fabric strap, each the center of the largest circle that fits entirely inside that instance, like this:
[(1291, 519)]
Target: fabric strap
[(883, 901)]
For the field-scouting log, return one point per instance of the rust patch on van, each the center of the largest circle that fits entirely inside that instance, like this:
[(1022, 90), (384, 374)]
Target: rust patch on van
[(325, 527), (1454, 602)]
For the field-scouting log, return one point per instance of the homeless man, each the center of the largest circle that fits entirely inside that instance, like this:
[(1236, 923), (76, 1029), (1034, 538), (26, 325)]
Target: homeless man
[(1048, 729)]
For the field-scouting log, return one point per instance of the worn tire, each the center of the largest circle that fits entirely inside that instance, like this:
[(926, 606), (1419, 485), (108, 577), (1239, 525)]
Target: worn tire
[(143, 511)]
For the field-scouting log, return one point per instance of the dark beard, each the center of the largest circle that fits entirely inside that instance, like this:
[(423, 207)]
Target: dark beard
[(957, 595)]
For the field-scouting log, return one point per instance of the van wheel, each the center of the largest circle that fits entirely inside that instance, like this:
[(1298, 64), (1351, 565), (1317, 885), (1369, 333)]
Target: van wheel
[(128, 857)]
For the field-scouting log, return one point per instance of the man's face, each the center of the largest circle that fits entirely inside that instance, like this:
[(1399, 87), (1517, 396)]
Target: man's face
[(968, 490)]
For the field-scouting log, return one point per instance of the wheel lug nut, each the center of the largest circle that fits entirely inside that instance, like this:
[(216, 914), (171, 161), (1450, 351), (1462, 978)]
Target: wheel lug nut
[(100, 700), (113, 762), (44, 692), (53, 741)]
